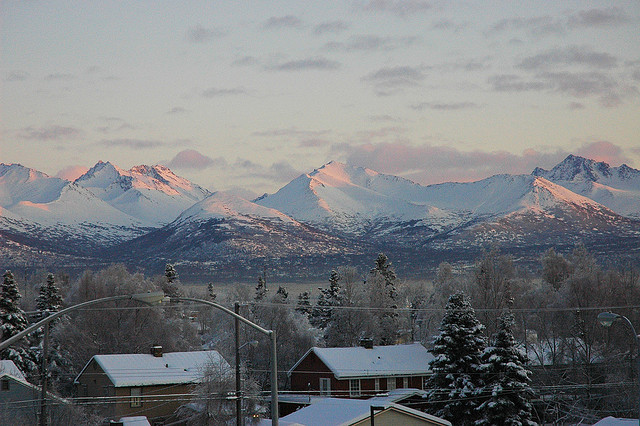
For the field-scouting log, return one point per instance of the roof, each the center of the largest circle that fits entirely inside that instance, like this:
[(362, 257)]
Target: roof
[(126, 370), (342, 411), (380, 361), (613, 421), (9, 368)]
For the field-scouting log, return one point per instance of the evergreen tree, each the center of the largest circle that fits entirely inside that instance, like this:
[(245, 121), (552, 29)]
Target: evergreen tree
[(303, 306), (170, 287), (12, 321), (49, 299), (456, 383), (261, 289), (320, 316), (388, 315), (506, 380), (282, 295), (212, 294)]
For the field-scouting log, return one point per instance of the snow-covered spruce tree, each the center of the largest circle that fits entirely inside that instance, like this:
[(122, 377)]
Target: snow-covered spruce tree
[(386, 300), (506, 392), (49, 298), (12, 321), (303, 306), (320, 316), (170, 287), (456, 383), (261, 290)]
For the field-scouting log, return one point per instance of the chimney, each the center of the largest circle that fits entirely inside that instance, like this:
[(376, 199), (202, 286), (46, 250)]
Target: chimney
[(366, 343), (156, 350)]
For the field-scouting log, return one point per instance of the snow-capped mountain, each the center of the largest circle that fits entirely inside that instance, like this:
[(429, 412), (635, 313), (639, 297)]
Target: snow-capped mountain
[(354, 200), (225, 228), (615, 187), (148, 215), (42, 210), (152, 194)]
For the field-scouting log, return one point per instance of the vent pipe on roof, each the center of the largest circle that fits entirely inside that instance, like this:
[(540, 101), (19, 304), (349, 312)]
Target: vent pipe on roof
[(156, 350), (366, 343)]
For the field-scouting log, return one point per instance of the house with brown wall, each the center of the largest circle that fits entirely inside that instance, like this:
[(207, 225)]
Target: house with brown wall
[(360, 372), (152, 385)]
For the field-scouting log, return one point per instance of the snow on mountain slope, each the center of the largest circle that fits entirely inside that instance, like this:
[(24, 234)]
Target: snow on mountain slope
[(352, 199), (618, 188), (19, 183), (221, 205), (152, 194)]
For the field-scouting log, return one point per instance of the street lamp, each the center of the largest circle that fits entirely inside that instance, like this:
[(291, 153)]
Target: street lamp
[(149, 298), (606, 319), (272, 338)]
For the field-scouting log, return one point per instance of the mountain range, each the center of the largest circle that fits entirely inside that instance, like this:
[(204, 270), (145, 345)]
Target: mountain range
[(147, 216)]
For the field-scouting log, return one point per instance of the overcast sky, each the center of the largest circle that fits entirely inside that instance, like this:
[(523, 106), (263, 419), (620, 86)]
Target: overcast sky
[(249, 94)]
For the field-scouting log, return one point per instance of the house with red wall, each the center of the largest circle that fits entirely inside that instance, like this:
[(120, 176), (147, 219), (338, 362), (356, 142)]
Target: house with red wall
[(360, 372)]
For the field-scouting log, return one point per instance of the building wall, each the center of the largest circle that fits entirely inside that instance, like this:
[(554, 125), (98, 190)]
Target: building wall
[(156, 401), (306, 378), (393, 418)]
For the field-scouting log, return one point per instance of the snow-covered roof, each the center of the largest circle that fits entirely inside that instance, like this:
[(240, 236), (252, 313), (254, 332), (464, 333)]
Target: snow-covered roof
[(614, 421), (9, 368), (342, 411), (382, 361), (126, 370)]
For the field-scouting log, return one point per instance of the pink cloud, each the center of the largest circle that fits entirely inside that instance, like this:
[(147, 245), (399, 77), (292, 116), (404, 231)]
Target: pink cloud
[(604, 151), (428, 164), (192, 159), (72, 173)]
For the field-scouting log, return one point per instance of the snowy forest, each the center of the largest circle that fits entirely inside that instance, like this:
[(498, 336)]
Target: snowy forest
[(511, 346)]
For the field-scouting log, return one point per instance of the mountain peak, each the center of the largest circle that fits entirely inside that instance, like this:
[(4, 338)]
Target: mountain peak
[(574, 167)]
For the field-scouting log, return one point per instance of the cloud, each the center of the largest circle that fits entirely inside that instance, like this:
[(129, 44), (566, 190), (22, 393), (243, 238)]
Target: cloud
[(214, 92), (400, 8), (603, 151), (17, 76), (245, 61), (192, 159), (572, 55), (537, 26), (277, 172), (52, 132), (290, 133), (177, 110), (60, 77), (277, 22), (200, 34), (315, 63), (370, 43), (130, 143), (388, 80), (609, 91), (443, 106), (598, 18), (428, 164), (332, 27), (72, 173)]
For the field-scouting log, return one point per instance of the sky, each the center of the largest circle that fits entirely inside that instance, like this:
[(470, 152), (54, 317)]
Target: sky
[(246, 95)]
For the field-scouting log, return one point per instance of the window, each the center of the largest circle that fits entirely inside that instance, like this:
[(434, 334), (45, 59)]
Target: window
[(354, 387), (425, 382), (377, 385), (5, 384), (391, 383), (325, 386), (136, 397), (405, 382)]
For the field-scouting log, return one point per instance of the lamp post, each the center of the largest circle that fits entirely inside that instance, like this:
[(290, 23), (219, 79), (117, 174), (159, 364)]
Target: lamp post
[(150, 298), (606, 319), (273, 355)]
